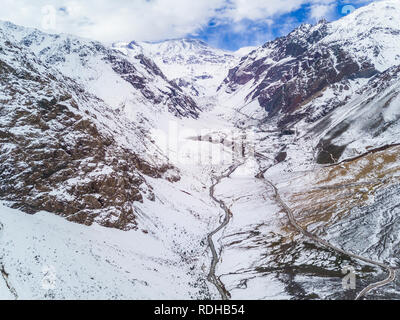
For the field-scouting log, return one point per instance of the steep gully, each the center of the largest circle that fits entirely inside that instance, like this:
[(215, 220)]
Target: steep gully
[(225, 295), (3, 272)]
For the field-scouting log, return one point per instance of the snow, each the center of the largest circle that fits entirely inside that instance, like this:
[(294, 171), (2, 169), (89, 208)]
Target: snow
[(374, 27), (89, 262), (255, 217), (245, 51), (48, 257), (201, 66)]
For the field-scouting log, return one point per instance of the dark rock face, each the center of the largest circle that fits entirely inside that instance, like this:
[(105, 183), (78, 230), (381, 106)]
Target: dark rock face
[(293, 45), (281, 157), (59, 148), (374, 98), (60, 48), (294, 70), (300, 80), (298, 41), (329, 153), (178, 104)]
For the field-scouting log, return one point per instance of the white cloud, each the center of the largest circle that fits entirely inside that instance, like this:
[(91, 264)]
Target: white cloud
[(125, 20), (320, 11), (259, 9), (119, 19)]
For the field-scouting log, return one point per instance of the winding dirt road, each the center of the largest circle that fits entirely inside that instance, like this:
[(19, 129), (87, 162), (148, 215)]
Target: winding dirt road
[(225, 295), (391, 271)]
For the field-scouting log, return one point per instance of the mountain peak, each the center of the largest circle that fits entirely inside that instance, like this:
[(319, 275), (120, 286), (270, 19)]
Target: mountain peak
[(375, 27), (377, 14), (183, 41), (187, 45)]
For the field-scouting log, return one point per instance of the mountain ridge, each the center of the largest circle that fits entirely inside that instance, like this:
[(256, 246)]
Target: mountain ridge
[(191, 172)]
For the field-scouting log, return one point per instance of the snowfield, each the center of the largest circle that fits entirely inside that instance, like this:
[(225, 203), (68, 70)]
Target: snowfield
[(260, 174), (47, 257)]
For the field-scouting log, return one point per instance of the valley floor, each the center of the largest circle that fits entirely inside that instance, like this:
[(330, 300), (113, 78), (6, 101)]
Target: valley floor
[(217, 233)]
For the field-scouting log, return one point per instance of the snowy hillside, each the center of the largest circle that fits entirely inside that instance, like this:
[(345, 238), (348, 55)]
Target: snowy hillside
[(176, 170), (324, 94), (286, 73), (193, 65), (66, 151), (43, 256), (376, 29), (106, 73)]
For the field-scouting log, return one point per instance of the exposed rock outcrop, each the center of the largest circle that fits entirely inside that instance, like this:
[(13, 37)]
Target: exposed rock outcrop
[(65, 151)]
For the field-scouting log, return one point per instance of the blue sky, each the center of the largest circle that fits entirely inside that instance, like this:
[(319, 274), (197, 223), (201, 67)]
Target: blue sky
[(256, 32), (227, 24)]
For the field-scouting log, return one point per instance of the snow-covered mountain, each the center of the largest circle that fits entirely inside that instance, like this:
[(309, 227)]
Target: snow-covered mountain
[(177, 170), (102, 71), (299, 79), (69, 147), (64, 149), (324, 94), (191, 64)]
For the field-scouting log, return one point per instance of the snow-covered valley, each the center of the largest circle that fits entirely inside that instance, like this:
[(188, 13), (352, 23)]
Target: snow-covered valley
[(174, 170)]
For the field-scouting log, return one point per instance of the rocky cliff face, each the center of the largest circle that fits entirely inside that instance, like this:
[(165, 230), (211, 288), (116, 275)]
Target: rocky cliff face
[(191, 64), (63, 150), (286, 74), (102, 70), (290, 71), (317, 115)]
